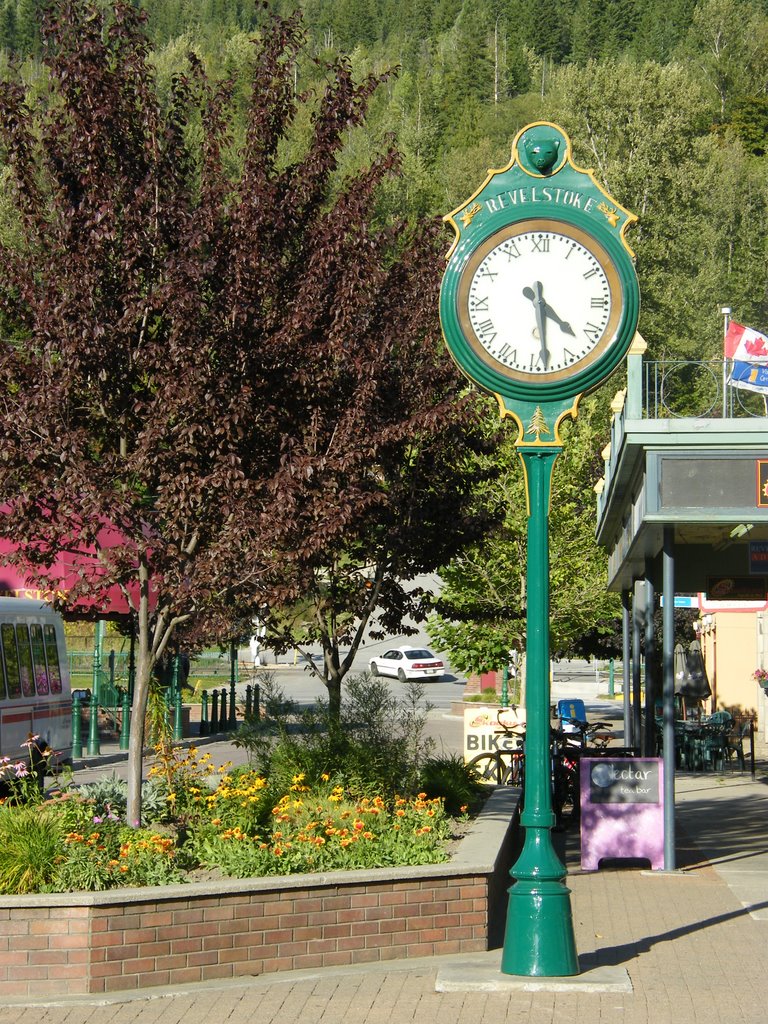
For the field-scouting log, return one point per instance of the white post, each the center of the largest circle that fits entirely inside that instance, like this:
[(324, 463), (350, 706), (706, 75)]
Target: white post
[(726, 311)]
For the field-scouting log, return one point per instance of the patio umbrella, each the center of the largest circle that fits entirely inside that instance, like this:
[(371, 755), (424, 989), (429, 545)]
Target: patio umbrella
[(697, 673), (694, 683), (681, 668)]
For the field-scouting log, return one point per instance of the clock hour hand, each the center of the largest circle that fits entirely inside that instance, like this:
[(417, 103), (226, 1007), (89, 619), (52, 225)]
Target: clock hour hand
[(536, 296), (548, 311), (564, 327)]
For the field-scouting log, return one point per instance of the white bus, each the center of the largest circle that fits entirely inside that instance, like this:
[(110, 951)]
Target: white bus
[(35, 697)]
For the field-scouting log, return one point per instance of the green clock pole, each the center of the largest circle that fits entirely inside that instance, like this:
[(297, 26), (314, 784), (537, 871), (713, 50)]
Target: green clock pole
[(539, 939)]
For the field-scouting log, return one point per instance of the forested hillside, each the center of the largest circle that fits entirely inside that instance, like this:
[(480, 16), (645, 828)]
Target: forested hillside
[(667, 102)]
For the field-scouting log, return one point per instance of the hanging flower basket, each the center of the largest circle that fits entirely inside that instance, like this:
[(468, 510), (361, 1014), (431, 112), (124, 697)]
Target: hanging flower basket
[(761, 676)]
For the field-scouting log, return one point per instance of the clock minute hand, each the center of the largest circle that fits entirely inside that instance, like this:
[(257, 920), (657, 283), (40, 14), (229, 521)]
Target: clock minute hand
[(536, 296)]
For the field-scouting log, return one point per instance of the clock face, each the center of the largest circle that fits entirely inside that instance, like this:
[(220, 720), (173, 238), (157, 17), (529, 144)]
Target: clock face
[(540, 300)]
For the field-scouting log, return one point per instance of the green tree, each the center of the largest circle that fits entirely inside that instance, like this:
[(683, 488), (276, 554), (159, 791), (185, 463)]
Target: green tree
[(468, 65), (26, 26), (749, 121), (481, 610), (646, 130), (728, 40), (355, 22), (590, 26), (660, 27), (8, 25), (640, 126), (547, 27)]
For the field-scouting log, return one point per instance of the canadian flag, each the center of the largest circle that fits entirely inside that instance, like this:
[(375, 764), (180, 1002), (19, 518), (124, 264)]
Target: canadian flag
[(745, 344)]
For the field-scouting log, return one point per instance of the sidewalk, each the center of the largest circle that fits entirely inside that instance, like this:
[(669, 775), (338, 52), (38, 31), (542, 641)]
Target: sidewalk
[(692, 942)]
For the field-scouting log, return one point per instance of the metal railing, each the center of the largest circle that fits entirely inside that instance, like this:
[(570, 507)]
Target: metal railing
[(697, 388)]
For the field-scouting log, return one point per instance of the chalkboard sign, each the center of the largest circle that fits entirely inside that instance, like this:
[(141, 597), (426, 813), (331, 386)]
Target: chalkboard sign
[(624, 781), (622, 810)]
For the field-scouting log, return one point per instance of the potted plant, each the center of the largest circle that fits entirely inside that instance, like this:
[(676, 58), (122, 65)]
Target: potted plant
[(761, 675)]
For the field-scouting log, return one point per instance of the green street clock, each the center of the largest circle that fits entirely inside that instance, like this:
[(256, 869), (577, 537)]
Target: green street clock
[(539, 301), (539, 304)]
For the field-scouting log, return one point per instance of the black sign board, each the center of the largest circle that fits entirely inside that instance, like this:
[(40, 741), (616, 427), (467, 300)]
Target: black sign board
[(735, 588), (631, 780)]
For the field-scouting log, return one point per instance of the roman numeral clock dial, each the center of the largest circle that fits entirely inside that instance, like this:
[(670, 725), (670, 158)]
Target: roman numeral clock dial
[(539, 300)]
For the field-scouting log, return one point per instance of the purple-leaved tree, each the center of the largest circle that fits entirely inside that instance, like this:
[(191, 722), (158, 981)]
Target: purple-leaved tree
[(223, 363)]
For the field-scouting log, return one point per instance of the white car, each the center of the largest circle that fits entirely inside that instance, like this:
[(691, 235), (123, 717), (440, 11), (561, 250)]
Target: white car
[(408, 663)]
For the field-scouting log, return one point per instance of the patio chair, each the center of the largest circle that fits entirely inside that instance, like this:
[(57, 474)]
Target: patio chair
[(735, 742), (714, 745)]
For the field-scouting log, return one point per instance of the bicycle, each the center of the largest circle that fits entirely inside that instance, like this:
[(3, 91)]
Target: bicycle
[(504, 767), (565, 776), (593, 737), (572, 741)]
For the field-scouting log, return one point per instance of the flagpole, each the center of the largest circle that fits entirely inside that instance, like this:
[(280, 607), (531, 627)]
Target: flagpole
[(726, 311)]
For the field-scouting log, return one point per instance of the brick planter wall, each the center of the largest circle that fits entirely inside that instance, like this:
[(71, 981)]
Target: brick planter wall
[(77, 943)]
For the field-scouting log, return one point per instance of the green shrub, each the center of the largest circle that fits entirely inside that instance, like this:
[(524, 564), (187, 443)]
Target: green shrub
[(449, 778), (376, 746), (488, 696), (110, 796), (30, 844), (115, 856)]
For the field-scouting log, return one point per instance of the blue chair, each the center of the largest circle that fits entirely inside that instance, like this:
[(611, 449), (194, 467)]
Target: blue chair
[(570, 711)]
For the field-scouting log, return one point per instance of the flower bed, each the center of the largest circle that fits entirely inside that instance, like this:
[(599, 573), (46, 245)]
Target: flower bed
[(348, 871), (122, 939), (244, 826)]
